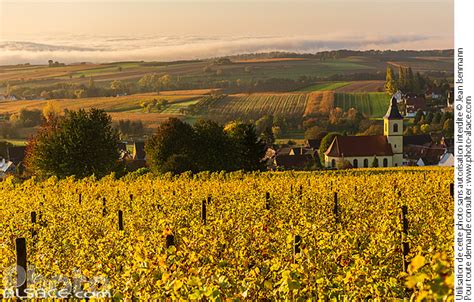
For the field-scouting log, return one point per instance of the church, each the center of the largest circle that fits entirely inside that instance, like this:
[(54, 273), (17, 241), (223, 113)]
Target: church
[(368, 151)]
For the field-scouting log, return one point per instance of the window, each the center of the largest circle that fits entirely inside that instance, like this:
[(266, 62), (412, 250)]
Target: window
[(333, 163), (366, 163), (395, 127), (355, 163), (396, 165), (395, 146), (385, 162)]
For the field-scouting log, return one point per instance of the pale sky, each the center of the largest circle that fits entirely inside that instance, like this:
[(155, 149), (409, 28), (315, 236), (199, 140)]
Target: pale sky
[(394, 24)]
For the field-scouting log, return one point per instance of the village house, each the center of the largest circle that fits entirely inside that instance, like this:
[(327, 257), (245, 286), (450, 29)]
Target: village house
[(7, 167), (292, 157), (413, 103), (374, 150)]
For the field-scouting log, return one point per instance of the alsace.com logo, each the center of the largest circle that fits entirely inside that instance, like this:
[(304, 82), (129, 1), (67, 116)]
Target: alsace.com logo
[(59, 286)]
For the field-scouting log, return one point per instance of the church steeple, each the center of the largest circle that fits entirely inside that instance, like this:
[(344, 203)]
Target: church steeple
[(393, 130), (393, 113)]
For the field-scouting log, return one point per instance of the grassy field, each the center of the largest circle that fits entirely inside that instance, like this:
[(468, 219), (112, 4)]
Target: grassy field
[(362, 86), (325, 86), (253, 106), (123, 107), (193, 71), (371, 104)]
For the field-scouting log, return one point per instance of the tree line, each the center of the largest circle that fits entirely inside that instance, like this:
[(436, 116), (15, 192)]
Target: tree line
[(408, 81), (83, 143)]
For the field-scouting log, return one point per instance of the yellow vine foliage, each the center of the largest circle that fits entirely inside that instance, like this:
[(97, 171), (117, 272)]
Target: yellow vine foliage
[(244, 251)]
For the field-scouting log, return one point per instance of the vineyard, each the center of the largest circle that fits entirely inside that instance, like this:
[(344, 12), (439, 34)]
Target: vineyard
[(268, 236), (371, 104), (254, 106)]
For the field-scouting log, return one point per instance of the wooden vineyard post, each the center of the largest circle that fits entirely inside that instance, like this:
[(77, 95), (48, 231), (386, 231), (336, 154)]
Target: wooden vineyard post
[(33, 221), (301, 192), (104, 209), (204, 211), (451, 190), (80, 198), (120, 220), (296, 246), (405, 246), (267, 200), (336, 209), (208, 199), (169, 240), (21, 266)]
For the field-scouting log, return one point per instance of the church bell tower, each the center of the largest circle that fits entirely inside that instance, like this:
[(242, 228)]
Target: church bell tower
[(393, 130)]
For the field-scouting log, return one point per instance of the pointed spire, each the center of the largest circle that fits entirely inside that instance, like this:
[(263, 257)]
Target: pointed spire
[(392, 112)]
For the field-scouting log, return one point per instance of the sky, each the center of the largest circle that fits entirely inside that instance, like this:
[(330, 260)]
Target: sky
[(106, 30)]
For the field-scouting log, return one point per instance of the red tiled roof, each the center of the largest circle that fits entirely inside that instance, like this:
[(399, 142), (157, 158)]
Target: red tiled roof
[(417, 103), (293, 162), (359, 146)]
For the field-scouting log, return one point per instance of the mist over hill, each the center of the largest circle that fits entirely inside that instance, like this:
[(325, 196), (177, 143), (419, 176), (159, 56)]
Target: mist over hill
[(99, 49)]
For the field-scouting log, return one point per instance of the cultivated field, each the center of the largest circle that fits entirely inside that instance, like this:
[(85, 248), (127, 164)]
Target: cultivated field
[(326, 86), (300, 243), (362, 86), (123, 107), (319, 102), (373, 104), (254, 106)]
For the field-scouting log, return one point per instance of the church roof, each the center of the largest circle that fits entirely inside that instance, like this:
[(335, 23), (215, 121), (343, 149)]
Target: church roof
[(392, 112), (355, 146)]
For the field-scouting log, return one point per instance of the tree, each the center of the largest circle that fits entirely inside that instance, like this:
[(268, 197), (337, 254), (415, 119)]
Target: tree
[(448, 127), (429, 117), (402, 80), (408, 131), (213, 150), (315, 132), (80, 93), (263, 123), (50, 63), (437, 118), (81, 143), (425, 128), (325, 143), (373, 130), (419, 83), (173, 139), (418, 116), (51, 111), (249, 148), (27, 118), (117, 86), (446, 116), (390, 84), (267, 137), (375, 162), (410, 80)]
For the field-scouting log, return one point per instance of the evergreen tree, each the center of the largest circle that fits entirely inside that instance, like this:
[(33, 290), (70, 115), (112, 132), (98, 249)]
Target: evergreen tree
[(390, 84), (437, 118), (429, 117), (375, 162), (402, 81), (410, 80), (418, 116)]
